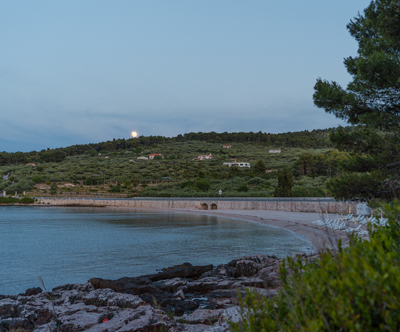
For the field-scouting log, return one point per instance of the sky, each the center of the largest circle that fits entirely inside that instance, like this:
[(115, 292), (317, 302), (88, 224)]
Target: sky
[(77, 72)]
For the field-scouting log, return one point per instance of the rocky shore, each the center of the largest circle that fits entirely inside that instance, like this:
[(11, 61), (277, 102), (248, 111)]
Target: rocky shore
[(180, 298)]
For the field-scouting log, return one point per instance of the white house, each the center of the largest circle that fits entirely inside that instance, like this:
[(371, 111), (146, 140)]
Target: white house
[(204, 156), (238, 164), (226, 146), (275, 150)]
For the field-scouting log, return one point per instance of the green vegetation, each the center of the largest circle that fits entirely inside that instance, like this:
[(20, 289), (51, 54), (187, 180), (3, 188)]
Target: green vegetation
[(355, 290), (13, 200), (119, 173), (285, 183), (302, 139), (372, 102)]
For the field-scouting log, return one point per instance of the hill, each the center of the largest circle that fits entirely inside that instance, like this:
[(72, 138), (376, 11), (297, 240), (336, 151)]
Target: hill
[(113, 167)]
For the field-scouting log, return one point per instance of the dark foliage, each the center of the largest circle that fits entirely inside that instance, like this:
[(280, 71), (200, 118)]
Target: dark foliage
[(285, 183), (315, 138), (371, 101)]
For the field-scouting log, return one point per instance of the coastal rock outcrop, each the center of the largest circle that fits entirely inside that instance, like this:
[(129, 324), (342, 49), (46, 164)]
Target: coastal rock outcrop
[(180, 298)]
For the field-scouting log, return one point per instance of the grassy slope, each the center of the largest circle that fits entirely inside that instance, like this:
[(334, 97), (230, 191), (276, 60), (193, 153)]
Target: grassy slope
[(178, 164)]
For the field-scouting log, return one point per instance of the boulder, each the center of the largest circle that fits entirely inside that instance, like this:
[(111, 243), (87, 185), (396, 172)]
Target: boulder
[(81, 308), (179, 294), (32, 291), (221, 271), (246, 268), (203, 316), (185, 270)]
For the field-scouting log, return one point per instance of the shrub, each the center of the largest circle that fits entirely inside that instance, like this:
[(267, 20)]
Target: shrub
[(243, 187), (8, 200), (202, 184), (37, 179), (256, 181), (115, 189), (53, 189), (27, 200), (185, 184), (355, 290)]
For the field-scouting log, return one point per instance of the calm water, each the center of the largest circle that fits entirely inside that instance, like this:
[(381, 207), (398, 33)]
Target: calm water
[(69, 245)]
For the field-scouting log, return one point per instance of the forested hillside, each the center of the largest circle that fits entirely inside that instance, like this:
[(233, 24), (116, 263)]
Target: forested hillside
[(302, 139), (121, 167)]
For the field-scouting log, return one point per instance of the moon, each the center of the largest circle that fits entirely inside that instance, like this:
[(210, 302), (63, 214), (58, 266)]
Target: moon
[(134, 134)]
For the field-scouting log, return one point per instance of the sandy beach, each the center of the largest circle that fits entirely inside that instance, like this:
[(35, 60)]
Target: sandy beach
[(297, 222)]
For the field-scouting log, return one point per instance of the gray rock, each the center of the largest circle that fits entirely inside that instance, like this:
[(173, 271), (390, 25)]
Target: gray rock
[(32, 291), (246, 268), (203, 316), (179, 294), (190, 328), (221, 271), (81, 308), (185, 270)]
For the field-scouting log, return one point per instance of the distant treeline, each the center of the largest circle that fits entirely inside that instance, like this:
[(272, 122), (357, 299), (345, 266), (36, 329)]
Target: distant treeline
[(312, 139)]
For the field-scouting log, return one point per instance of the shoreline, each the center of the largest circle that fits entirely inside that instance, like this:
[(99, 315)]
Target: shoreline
[(299, 223)]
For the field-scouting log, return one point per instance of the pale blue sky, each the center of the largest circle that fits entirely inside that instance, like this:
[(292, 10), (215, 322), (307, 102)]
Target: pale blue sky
[(75, 72)]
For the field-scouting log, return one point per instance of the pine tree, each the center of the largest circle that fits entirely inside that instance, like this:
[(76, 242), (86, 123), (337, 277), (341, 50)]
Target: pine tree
[(260, 167), (372, 102), (285, 183)]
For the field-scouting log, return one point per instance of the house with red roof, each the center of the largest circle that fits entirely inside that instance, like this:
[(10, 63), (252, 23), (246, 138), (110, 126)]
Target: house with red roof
[(152, 155)]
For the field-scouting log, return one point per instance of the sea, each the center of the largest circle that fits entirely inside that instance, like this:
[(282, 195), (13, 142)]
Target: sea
[(73, 244)]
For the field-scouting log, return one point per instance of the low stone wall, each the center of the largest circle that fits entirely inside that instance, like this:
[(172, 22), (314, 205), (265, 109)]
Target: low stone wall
[(209, 204)]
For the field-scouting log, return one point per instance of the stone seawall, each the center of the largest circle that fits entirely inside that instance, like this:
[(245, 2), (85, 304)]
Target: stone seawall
[(210, 204)]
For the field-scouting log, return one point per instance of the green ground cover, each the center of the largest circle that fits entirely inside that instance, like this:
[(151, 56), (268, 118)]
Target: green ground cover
[(356, 289), (119, 172)]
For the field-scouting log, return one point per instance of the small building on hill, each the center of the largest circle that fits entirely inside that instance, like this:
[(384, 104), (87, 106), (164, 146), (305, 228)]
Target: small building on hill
[(204, 156), (30, 164), (226, 146), (144, 158), (152, 155), (275, 150), (238, 164)]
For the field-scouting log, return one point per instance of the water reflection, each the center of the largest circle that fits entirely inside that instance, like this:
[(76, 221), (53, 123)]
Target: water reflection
[(67, 245)]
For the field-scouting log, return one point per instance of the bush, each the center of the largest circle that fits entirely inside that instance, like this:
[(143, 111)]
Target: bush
[(27, 200), (37, 179), (185, 184), (9, 200), (307, 192), (243, 187), (256, 181), (202, 184), (355, 290), (53, 189), (127, 184), (115, 189)]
